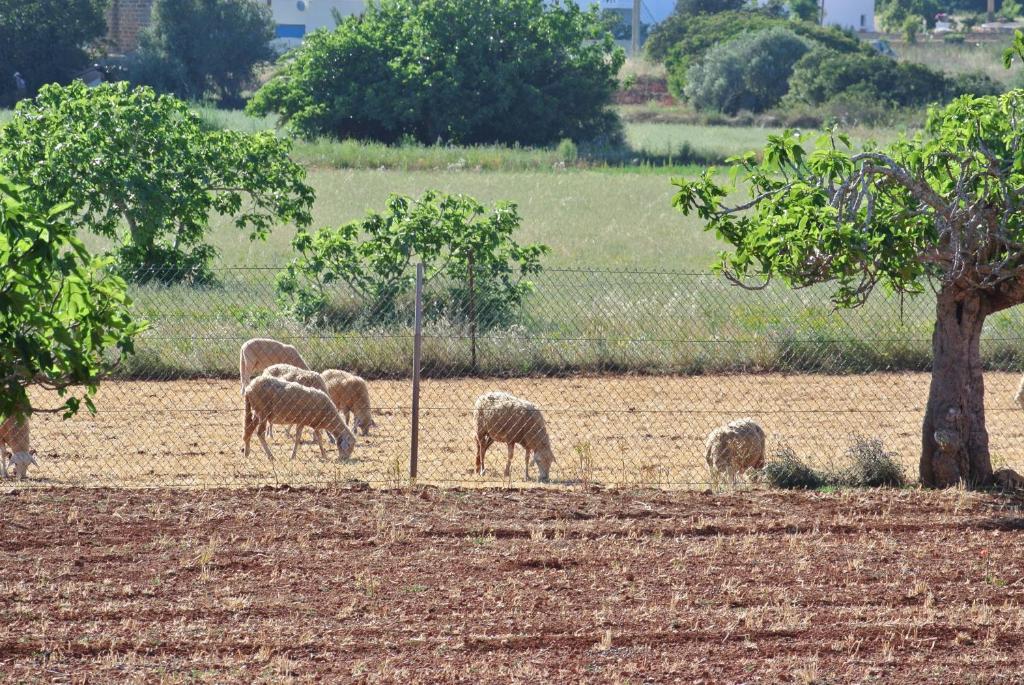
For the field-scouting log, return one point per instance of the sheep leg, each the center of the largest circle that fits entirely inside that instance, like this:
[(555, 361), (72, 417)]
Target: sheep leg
[(483, 442), (261, 434), (295, 446), (250, 426), (508, 464), (3, 464), (529, 454), (320, 441)]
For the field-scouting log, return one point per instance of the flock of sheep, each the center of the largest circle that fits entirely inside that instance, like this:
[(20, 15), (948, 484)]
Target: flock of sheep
[(279, 388)]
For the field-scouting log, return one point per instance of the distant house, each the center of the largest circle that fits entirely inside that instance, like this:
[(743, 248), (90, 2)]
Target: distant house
[(651, 11), (857, 15), (295, 18)]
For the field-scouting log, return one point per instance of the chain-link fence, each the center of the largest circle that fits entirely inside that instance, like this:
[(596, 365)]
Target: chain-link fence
[(630, 369)]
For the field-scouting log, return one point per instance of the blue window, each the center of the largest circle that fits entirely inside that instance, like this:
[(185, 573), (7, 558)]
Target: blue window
[(290, 30)]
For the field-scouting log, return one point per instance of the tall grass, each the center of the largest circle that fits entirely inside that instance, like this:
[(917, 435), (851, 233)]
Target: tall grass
[(984, 56)]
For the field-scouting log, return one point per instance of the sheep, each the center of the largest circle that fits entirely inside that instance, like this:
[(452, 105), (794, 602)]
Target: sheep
[(351, 395), (15, 435), (310, 379), (1019, 397), (735, 447), (272, 400), (501, 417), (259, 353)]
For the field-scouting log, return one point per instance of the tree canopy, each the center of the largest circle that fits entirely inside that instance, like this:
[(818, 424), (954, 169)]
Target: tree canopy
[(194, 48), (46, 41), (462, 71), (140, 169), (943, 208), (62, 312)]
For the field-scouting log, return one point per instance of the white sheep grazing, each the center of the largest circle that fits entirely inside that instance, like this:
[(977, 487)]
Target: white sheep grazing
[(310, 379), (272, 400), (501, 417), (1019, 397), (735, 447), (351, 395), (259, 353), (16, 436)]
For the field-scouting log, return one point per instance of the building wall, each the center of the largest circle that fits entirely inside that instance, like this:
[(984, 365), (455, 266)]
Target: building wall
[(295, 18), (125, 21), (858, 15)]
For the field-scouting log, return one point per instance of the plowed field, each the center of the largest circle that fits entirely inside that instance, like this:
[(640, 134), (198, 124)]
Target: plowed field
[(356, 585)]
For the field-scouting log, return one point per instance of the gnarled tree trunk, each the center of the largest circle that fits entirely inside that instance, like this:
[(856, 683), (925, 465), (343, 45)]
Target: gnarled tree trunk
[(954, 444)]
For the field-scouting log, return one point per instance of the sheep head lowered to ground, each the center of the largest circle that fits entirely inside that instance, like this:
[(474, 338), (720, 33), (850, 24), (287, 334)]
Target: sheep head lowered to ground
[(15, 436), (501, 417), (272, 400), (351, 395), (735, 447), (257, 354)]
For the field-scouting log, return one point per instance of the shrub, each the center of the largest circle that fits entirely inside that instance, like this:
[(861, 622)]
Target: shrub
[(859, 105), (750, 72), (45, 41), (198, 47), (787, 471), (462, 71), (872, 466), (821, 74), (456, 238), (143, 172)]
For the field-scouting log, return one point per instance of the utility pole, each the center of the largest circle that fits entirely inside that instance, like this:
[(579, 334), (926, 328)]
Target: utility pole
[(635, 32), (991, 10)]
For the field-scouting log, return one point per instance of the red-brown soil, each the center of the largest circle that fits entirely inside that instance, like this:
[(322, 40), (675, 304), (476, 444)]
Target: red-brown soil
[(357, 585)]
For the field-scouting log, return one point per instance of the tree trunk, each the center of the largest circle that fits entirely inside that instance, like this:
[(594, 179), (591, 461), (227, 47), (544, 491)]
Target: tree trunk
[(954, 441)]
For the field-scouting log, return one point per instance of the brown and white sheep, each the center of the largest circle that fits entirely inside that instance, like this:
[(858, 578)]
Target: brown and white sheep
[(272, 400), (502, 417), (735, 447), (351, 395), (15, 436), (257, 354)]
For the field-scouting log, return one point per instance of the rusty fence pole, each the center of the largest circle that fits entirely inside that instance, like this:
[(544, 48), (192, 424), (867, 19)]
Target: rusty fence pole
[(414, 448)]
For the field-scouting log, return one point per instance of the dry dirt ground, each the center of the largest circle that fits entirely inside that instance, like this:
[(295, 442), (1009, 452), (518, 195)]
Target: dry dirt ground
[(625, 430), (428, 585)]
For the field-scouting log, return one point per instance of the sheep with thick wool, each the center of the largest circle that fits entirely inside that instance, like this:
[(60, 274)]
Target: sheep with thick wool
[(16, 437), (272, 400), (257, 354), (293, 374), (351, 395), (735, 447), (502, 417)]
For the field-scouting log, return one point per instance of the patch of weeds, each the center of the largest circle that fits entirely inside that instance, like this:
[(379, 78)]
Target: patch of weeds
[(787, 471), (871, 466)]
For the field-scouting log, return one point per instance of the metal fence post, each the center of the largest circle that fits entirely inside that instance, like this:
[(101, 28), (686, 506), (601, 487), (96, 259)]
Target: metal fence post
[(414, 444)]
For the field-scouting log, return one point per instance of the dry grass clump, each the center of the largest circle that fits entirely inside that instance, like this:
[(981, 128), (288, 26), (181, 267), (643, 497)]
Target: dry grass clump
[(870, 466), (789, 472)]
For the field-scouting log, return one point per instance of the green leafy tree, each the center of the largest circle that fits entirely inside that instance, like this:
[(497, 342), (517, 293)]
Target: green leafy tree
[(46, 41), (61, 310), (750, 72), (691, 7), (458, 240), (197, 47), (942, 212), (805, 10), (141, 170), (893, 14), (464, 71), (682, 42)]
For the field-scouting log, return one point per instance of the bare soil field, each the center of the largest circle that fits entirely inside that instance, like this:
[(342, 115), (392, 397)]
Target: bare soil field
[(456, 585), (623, 430)]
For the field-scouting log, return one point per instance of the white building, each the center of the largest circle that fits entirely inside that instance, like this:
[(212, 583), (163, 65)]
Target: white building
[(858, 15), (651, 11), (296, 18)]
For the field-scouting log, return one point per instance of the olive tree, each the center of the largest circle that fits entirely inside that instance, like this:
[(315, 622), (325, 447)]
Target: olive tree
[(944, 209), (64, 317), (142, 171)]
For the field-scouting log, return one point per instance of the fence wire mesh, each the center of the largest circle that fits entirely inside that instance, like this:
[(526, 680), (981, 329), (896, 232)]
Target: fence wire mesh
[(631, 371)]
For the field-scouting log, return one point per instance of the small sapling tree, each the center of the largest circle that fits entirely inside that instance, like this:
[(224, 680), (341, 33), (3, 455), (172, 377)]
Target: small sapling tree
[(143, 172), (459, 240), (61, 310), (944, 209)]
